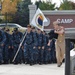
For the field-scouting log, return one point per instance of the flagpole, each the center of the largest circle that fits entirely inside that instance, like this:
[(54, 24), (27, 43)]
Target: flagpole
[(19, 47), (43, 26)]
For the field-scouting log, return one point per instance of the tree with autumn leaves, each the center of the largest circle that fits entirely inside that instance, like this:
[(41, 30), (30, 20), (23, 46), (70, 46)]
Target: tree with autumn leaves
[(9, 6), (17, 11)]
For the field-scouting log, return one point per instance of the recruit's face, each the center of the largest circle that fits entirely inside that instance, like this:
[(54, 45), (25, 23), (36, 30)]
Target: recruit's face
[(43, 33), (28, 28), (33, 30), (39, 31)]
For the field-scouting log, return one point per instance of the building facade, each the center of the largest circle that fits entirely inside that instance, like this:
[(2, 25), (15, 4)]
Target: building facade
[(65, 17)]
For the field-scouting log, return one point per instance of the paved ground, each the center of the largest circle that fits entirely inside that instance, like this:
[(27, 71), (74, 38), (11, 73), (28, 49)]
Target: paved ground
[(22, 69)]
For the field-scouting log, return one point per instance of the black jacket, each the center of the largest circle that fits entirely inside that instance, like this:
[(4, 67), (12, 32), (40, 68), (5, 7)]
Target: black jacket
[(52, 35)]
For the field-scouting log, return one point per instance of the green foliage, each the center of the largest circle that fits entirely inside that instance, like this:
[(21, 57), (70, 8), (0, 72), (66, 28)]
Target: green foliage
[(73, 5), (0, 20), (67, 5), (45, 5), (22, 15), (38, 3)]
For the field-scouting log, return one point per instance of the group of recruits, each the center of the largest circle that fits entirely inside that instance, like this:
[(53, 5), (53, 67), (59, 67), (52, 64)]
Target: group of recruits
[(34, 50)]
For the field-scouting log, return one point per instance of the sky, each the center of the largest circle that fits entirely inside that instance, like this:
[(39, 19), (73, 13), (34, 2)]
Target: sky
[(53, 1)]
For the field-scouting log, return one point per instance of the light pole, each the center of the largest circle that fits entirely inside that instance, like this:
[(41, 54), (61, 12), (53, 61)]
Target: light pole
[(67, 57), (6, 18)]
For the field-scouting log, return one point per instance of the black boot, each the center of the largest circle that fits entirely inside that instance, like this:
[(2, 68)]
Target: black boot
[(31, 63)]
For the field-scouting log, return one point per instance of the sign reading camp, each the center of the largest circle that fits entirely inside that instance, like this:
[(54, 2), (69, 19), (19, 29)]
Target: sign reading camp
[(65, 20)]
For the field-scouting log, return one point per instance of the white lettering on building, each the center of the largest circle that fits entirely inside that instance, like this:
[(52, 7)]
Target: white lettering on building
[(65, 20)]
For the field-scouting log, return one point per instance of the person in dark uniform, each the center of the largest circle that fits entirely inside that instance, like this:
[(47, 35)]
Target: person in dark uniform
[(17, 37), (41, 46), (45, 37), (7, 46), (35, 50), (71, 45), (53, 51), (2, 43), (29, 46)]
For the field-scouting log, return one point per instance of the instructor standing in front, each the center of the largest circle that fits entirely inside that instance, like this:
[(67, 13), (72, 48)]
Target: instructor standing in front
[(60, 42)]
